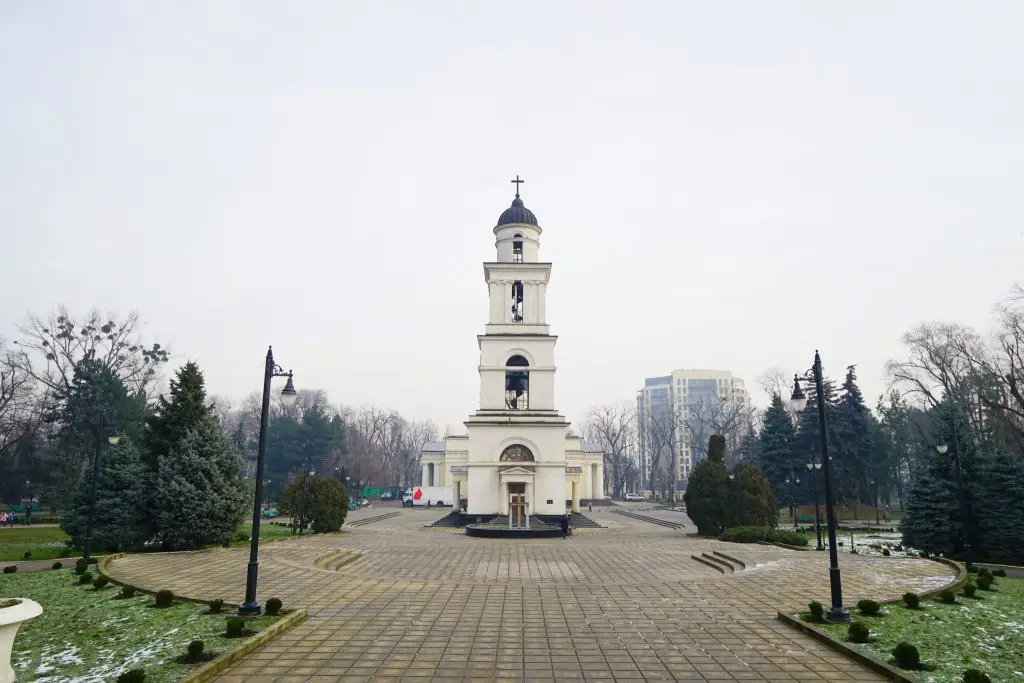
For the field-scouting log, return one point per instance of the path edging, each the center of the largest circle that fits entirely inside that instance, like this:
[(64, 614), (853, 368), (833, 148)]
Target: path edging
[(211, 669), (879, 667)]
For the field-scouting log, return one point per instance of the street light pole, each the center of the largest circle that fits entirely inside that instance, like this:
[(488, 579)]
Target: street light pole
[(965, 528), (799, 402), (814, 467), (28, 509), (288, 395), (112, 440), (302, 496)]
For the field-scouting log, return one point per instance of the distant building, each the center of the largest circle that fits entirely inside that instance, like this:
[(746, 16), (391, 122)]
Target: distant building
[(664, 404)]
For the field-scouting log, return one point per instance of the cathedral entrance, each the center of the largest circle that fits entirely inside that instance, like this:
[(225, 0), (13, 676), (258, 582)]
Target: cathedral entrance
[(517, 504)]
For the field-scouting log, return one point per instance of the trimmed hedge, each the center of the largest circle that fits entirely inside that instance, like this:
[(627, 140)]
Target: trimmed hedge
[(755, 534)]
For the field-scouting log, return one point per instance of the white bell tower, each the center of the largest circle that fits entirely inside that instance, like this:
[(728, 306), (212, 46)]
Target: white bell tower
[(517, 421)]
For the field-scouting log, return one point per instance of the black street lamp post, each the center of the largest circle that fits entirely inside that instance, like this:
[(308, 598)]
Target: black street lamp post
[(792, 480), (111, 439), (302, 497), (288, 395), (28, 508), (799, 402), (814, 467), (965, 527)]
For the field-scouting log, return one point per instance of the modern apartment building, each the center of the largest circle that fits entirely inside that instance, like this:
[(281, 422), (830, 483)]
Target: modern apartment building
[(673, 406)]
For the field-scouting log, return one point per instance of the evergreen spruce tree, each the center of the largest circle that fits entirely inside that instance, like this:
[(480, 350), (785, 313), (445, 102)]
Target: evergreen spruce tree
[(999, 510), (198, 491), (118, 522), (776, 449), (854, 445), (707, 491), (185, 409)]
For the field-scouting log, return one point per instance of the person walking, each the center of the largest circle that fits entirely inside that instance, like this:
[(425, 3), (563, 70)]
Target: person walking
[(590, 506), (565, 524), (885, 513)]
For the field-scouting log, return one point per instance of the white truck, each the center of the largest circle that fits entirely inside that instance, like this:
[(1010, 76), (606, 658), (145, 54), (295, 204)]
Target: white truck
[(417, 496)]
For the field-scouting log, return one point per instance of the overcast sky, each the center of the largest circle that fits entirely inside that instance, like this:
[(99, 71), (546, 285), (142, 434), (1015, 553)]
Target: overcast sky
[(721, 184)]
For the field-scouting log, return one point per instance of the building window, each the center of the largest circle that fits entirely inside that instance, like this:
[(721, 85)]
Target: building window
[(517, 383)]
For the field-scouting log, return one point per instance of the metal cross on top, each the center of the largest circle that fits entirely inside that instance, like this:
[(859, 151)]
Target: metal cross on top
[(517, 183)]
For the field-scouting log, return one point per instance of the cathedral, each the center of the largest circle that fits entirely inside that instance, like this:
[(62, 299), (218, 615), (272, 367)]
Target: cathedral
[(517, 457)]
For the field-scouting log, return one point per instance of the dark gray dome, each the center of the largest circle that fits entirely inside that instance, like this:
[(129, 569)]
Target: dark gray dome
[(517, 213)]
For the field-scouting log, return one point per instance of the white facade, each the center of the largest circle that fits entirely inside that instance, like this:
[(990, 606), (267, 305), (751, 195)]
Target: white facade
[(516, 442), (675, 395)]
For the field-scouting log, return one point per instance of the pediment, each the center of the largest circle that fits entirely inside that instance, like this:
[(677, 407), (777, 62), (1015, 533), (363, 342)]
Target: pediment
[(516, 469)]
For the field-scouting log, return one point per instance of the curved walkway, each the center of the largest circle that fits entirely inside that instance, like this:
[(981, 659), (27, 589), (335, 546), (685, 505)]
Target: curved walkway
[(623, 603)]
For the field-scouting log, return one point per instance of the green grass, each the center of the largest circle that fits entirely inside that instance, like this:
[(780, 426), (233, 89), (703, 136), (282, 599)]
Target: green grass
[(985, 633), (87, 633), (268, 532), (45, 543)]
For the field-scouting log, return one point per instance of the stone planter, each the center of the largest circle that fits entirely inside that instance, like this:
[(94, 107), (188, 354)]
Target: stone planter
[(11, 617)]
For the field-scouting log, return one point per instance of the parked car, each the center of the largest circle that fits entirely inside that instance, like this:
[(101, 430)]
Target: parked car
[(635, 498)]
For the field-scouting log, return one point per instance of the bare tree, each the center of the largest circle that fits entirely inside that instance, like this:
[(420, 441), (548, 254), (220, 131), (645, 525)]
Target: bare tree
[(614, 428), (731, 418), (51, 348), (17, 400), (774, 381)]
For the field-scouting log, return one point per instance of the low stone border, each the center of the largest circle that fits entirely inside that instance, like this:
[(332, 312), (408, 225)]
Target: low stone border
[(879, 667), (784, 545), (211, 669)]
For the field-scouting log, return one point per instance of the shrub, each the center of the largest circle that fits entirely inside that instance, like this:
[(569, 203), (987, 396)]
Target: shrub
[(984, 571), (235, 627), (858, 633), (326, 503), (216, 606), (907, 656), (998, 572), (81, 566), (817, 611), (164, 598), (985, 582), (132, 676), (27, 555), (912, 600), (127, 592), (93, 560), (85, 579), (10, 569), (969, 590), (273, 606), (788, 537), (868, 608), (195, 650), (57, 565), (975, 676), (885, 551), (100, 582), (947, 596)]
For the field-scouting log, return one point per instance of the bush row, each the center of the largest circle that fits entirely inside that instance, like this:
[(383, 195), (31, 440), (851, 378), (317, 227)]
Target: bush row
[(754, 534)]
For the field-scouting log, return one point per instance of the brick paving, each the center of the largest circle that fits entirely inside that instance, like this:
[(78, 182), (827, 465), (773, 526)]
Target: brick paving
[(622, 603)]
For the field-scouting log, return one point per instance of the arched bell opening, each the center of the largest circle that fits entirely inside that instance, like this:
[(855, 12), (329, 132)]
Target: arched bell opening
[(517, 301), (517, 383), (517, 248)]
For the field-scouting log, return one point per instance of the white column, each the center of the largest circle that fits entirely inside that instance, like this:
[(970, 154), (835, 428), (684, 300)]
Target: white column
[(600, 482), (423, 479), (575, 496)]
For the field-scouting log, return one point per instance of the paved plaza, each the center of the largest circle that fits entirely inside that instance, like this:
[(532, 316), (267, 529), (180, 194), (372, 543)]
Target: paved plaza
[(393, 601)]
